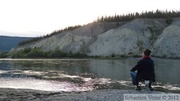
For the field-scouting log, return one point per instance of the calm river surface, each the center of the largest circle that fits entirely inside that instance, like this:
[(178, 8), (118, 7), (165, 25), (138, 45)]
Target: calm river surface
[(69, 75)]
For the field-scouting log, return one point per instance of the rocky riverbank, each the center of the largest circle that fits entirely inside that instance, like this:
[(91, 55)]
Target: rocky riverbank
[(96, 95)]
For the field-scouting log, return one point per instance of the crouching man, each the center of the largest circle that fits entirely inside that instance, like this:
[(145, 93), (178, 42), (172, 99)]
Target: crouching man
[(145, 70)]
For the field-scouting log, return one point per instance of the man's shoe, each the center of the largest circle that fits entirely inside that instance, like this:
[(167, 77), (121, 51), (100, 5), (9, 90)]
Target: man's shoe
[(138, 88)]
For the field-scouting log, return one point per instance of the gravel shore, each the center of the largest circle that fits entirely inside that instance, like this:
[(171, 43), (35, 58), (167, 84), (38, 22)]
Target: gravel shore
[(96, 95)]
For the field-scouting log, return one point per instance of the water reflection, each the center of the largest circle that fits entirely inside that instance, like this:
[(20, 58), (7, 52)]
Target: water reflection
[(81, 74), (45, 85)]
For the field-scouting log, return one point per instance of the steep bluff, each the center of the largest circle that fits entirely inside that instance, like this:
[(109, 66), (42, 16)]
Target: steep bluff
[(118, 38), (129, 39), (77, 40), (167, 44)]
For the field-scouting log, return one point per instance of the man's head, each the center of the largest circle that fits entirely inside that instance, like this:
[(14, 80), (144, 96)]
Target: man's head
[(147, 52)]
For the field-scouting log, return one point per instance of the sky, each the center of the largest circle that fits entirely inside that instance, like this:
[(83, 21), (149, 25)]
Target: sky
[(33, 18)]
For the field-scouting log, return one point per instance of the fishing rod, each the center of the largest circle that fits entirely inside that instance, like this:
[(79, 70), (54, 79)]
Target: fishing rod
[(121, 64)]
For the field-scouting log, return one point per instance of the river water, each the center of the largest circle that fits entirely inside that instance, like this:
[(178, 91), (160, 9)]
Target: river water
[(77, 75)]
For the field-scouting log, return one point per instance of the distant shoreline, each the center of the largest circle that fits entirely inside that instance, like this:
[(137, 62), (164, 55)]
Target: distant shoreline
[(90, 58)]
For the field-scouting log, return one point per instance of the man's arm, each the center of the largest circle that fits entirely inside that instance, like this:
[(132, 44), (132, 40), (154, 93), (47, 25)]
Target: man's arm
[(136, 67)]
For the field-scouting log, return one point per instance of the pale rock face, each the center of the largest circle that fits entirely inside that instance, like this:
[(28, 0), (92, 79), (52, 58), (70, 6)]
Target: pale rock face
[(128, 40), (74, 41), (68, 42), (113, 42), (168, 43)]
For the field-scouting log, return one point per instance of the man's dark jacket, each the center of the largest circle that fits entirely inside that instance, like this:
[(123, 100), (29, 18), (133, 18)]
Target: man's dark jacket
[(145, 69)]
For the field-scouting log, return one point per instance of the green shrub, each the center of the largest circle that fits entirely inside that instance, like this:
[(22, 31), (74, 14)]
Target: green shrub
[(3, 54), (39, 53)]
